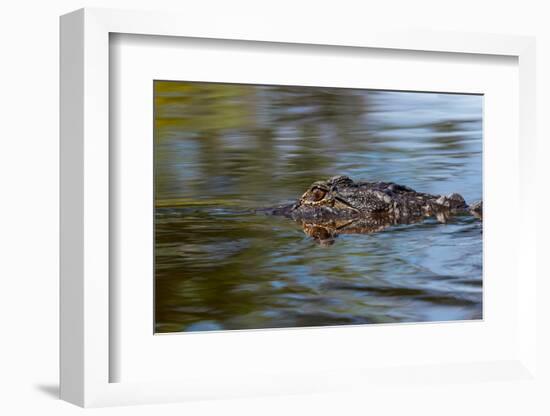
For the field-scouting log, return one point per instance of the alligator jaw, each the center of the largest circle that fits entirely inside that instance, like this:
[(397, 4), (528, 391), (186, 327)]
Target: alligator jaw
[(323, 213)]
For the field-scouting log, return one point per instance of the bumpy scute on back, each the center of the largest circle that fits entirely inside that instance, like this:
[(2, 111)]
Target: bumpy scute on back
[(339, 205)]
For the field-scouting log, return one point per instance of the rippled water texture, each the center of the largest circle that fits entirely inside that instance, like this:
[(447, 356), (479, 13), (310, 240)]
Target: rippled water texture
[(223, 150)]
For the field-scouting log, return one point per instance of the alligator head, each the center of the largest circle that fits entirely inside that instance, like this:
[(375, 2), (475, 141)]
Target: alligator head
[(324, 200), (341, 206)]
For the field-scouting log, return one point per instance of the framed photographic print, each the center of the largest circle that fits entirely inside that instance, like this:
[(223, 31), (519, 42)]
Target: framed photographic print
[(338, 251), (271, 212)]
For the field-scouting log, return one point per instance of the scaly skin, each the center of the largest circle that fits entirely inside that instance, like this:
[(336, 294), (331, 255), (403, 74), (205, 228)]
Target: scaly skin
[(339, 205)]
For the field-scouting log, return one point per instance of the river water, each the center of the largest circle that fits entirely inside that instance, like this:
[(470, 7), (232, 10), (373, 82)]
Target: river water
[(222, 151)]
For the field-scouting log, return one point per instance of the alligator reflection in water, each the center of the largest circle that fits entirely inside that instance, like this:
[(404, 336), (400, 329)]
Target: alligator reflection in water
[(341, 206), (325, 233)]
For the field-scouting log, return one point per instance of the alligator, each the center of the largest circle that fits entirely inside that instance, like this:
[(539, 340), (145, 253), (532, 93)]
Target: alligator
[(341, 206)]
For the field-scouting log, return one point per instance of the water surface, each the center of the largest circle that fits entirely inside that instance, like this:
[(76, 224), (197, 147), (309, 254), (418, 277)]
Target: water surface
[(223, 150)]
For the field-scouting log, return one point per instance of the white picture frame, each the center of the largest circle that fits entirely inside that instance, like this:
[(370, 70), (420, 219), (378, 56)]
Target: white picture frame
[(86, 356)]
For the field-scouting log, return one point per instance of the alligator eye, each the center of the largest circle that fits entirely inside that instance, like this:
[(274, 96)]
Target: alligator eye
[(317, 194)]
